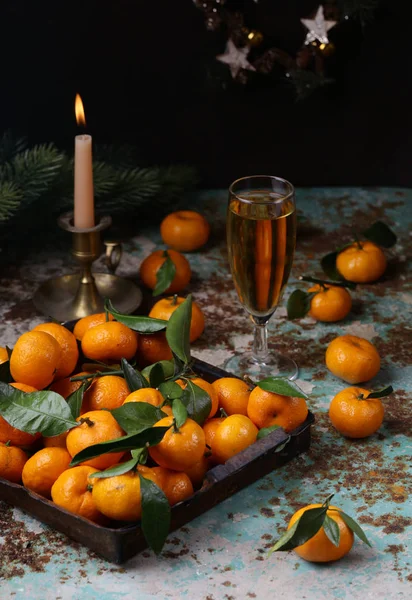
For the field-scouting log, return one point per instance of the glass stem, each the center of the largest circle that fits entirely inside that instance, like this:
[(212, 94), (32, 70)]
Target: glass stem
[(260, 350)]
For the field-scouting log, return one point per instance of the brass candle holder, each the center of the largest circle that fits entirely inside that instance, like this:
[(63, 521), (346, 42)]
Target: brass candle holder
[(74, 296)]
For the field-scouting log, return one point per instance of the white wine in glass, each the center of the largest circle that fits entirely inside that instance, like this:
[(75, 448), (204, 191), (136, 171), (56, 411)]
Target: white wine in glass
[(261, 238)]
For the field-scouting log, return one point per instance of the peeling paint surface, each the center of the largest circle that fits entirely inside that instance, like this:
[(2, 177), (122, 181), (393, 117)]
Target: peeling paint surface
[(222, 555)]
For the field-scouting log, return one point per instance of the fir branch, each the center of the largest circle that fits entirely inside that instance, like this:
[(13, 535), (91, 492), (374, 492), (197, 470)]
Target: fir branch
[(10, 145), (11, 197)]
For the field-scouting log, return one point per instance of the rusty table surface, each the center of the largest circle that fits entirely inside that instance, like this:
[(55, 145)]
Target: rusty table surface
[(223, 553)]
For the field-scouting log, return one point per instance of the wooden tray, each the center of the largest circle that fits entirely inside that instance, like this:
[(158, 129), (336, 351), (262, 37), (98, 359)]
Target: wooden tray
[(119, 544)]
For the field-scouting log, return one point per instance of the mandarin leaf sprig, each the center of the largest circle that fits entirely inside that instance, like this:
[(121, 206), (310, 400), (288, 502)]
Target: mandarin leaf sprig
[(379, 233), (311, 521), (164, 275)]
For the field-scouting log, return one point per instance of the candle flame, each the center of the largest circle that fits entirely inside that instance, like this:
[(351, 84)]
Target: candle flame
[(79, 110)]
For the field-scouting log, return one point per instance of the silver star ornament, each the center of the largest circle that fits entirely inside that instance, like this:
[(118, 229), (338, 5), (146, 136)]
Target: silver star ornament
[(236, 58), (318, 28)]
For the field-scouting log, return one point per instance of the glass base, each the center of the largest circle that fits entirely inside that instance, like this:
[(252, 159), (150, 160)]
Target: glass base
[(274, 366)]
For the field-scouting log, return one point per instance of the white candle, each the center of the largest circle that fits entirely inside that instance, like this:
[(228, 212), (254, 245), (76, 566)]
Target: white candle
[(83, 175)]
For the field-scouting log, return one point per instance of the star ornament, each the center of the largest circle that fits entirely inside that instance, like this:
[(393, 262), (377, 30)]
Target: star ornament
[(236, 58), (318, 28)]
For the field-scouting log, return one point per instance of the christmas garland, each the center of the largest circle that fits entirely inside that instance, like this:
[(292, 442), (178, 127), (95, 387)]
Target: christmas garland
[(36, 185), (251, 53)]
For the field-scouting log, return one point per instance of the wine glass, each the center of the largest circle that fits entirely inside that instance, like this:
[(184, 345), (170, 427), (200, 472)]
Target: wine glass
[(261, 238)]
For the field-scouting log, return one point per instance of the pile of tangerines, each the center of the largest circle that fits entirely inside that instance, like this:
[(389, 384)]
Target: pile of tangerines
[(54, 358)]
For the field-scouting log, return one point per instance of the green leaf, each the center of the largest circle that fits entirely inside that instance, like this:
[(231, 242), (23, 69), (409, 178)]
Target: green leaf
[(170, 390), (167, 367), (379, 233), (135, 417), (332, 530), (381, 393), (281, 446), (45, 411), (355, 527), (76, 398), (157, 375), (164, 275), (178, 330), (328, 264), (140, 454), (134, 379), (138, 323), (284, 387), (179, 366), (150, 437), (197, 402), (5, 375), (298, 304), (302, 530), (155, 514), (179, 412), (266, 431), (119, 469)]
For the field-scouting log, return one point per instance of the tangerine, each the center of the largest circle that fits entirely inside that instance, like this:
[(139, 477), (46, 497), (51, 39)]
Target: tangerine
[(109, 341), (149, 395), (68, 345), (236, 433), (35, 358), (72, 490), (185, 230), (319, 548), (12, 461), (152, 263), (176, 485), (11, 434), (267, 408), (330, 303), (198, 471), (179, 449), (153, 348), (352, 358), (208, 388), (355, 415), (88, 322), (164, 308), (23, 387), (233, 395), (361, 262), (43, 468), (4, 355), (108, 392), (95, 426)]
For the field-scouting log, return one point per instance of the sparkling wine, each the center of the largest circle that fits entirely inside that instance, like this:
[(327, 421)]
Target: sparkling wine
[(261, 236)]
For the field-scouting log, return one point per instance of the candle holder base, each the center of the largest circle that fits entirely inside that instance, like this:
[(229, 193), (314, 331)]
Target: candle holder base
[(61, 298)]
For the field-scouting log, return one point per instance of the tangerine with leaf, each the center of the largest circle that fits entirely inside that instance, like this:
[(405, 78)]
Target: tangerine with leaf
[(356, 412), (164, 308), (181, 447), (165, 271)]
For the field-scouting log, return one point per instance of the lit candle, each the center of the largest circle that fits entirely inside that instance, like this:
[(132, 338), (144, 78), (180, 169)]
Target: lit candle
[(83, 174)]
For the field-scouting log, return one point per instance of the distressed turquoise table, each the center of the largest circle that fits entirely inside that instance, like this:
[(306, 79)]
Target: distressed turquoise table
[(223, 554)]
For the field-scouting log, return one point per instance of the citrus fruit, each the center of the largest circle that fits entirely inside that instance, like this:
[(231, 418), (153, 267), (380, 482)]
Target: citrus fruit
[(197, 472), (4, 355), (35, 358), (330, 303), (149, 395), (319, 548), (56, 441), (72, 491), (68, 345), (352, 358), (43, 468), (185, 230), (355, 415), (267, 408), (11, 434), (179, 450), (152, 263), (153, 348), (176, 485), (88, 322), (12, 461), (65, 387), (108, 391), (23, 387), (233, 395), (96, 426), (362, 262), (236, 433), (164, 308), (109, 341), (208, 388), (119, 497), (209, 428)]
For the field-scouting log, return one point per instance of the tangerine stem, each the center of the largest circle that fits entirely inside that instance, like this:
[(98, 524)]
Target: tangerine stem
[(174, 301), (86, 420)]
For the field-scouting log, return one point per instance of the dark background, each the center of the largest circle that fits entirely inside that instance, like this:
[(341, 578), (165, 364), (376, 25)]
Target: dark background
[(141, 67)]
